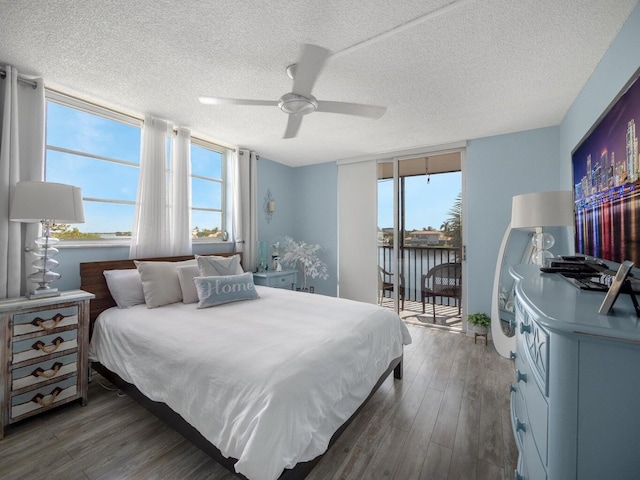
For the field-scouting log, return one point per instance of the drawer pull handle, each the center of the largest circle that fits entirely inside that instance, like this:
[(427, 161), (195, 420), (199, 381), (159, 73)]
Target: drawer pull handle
[(39, 322), (512, 354), (40, 399), (521, 377), (520, 427), (55, 368), (512, 388), (39, 345), (525, 328)]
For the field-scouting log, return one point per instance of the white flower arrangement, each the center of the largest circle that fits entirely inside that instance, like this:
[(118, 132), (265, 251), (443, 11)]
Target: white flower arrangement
[(303, 256)]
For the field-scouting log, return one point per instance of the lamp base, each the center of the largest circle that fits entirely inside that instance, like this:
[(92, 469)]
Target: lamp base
[(49, 292)]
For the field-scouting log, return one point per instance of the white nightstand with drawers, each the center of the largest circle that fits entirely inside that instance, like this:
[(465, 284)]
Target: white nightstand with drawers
[(44, 354)]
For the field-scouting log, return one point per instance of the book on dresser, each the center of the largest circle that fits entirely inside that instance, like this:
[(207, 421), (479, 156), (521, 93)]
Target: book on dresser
[(44, 354), (574, 400)]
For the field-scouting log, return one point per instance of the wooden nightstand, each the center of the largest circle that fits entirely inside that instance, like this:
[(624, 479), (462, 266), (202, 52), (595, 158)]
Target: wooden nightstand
[(44, 356), (283, 279)]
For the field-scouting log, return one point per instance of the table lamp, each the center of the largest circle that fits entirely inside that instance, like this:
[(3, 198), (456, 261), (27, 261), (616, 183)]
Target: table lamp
[(539, 210), (46, 203)]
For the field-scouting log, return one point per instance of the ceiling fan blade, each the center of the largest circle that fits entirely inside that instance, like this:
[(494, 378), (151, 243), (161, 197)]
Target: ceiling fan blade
[(293, 125), (369, 111), (236, 101), (308, 68)]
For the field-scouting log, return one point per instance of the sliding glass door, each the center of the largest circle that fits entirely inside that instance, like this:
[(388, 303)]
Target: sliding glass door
[(419, 229)]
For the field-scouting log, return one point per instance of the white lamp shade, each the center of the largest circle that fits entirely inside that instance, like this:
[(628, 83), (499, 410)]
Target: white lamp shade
[(542, 209), (56, 202)]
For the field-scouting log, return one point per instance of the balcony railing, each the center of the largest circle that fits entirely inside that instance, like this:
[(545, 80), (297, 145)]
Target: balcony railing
[(417, 261)]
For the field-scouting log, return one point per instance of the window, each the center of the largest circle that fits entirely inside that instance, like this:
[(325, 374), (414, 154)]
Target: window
[(207, 191), (98, 150)]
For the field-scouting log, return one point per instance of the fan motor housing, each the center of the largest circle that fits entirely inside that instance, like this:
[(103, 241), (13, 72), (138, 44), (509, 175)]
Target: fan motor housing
[(295, 104)]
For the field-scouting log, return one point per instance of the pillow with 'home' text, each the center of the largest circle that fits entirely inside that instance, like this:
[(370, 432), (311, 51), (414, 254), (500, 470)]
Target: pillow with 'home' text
[(221, 289)]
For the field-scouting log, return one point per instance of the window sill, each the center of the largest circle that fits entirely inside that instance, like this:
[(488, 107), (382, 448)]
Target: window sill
[(125, 243)]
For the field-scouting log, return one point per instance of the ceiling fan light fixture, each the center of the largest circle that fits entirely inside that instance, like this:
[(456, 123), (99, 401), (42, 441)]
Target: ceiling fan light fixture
[(294, 104)]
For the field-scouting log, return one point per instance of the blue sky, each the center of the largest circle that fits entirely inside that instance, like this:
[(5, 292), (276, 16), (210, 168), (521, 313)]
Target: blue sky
[(426, 204)]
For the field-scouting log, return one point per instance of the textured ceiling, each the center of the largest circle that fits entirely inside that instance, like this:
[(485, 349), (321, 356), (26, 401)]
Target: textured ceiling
[(447, 71)]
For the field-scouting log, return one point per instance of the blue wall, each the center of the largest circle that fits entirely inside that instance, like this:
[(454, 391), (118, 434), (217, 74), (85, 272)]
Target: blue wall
[(497, 169), (280, 180), (316, 191), (615, 68), (306, 205)]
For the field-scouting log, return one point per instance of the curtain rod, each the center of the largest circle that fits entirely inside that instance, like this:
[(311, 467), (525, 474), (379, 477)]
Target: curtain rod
[(21, 78)]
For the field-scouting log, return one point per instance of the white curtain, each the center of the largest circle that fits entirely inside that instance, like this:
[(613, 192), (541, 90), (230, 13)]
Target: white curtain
[(150, 236), (22, 141), (180, 193), (357, 231), (245, 226)]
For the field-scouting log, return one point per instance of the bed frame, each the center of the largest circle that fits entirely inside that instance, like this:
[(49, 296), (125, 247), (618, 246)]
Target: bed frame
[(92, 280)]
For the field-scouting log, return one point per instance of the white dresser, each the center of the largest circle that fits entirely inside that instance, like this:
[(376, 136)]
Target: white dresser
[(575, 402)]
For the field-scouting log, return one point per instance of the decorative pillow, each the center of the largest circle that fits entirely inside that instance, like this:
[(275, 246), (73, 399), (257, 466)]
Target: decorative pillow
[(212, 265), (217, 290), (125, 287), (160, 282), (186, 275)]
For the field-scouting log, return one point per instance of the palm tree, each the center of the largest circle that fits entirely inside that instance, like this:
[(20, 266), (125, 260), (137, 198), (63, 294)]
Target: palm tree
[(454, 222)]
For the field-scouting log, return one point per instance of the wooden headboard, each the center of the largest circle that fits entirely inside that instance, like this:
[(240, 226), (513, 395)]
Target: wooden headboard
[(92, 280)]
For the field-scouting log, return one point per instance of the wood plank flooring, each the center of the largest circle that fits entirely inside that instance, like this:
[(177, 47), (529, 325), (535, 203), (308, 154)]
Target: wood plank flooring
[(447, 419)]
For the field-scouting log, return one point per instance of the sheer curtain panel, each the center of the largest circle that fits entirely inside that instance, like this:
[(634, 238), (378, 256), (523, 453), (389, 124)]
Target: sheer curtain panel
[(150, 236), (358, 231), (22, 121), (180, 193), (245, 216)]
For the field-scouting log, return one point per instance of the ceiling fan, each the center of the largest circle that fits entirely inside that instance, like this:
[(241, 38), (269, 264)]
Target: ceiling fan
[(299, 101)]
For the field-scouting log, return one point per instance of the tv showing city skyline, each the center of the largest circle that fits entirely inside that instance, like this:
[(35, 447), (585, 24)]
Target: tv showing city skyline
[(606, 182)]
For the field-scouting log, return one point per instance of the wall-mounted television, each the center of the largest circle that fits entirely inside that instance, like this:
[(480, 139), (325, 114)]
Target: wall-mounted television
[(606, 181)]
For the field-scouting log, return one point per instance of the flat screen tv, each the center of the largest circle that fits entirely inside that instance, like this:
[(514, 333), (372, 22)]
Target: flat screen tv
[(606, 181)]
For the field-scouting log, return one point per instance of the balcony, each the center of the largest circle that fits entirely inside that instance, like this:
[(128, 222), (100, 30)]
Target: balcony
[(417, 261)]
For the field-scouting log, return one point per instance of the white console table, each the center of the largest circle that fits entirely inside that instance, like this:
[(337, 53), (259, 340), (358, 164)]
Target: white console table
[(575, 403)]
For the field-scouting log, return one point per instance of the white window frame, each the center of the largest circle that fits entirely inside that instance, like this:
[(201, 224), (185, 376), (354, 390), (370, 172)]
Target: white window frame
[(224, 153), (87, 107)]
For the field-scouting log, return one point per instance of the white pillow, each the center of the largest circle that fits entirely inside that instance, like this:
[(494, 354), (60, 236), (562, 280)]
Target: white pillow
[(186, 275), (160, 282), (125, 287), (212, 265)]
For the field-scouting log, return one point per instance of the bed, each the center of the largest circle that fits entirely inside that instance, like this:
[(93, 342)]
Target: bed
[(264, 386)]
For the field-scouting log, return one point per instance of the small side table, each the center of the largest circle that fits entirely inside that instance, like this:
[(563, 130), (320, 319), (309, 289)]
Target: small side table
[(283, 279)]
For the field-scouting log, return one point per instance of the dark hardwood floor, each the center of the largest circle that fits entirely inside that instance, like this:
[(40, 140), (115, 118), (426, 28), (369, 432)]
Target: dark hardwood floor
[(447, 419)]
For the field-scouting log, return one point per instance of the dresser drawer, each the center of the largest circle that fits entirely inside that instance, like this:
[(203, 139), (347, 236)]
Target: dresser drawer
[(43, 397), (283, 281), (44, 371), (535, 343), (44, 320), (37, 347), (534, 401)]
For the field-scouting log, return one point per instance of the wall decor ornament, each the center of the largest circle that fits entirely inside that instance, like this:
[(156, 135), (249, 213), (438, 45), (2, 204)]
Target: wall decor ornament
[(269, 206)]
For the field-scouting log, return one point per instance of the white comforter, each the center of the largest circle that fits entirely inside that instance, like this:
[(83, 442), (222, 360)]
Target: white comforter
[(268, 381)]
